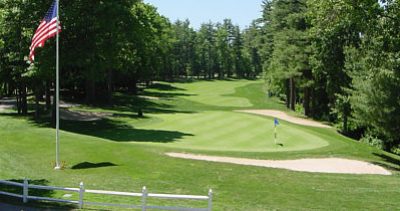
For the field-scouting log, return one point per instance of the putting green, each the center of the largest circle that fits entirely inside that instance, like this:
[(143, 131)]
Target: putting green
[(231, 131)]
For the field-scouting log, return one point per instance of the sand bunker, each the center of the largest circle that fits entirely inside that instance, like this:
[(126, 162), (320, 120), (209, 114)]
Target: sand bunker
[(323, 165), (286, 117)]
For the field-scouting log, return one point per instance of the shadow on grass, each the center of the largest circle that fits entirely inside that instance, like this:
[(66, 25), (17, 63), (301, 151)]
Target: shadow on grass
[(116, 131), (88, 165), (395, 163), (166, 95), (202, 78), (131, 103), (38, 205), (165, 87)]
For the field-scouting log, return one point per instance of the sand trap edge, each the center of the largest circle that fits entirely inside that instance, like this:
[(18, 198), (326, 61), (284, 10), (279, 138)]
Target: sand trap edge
[(313, 165)]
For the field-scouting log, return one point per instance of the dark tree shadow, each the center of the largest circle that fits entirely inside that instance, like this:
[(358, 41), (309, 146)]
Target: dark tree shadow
[(13, 115), (116, 131), (165, 87), (130, 103), (132, 116), (395, 163), (89, 165), (32, 192), (121, 132), (166, 95), (126, 102)]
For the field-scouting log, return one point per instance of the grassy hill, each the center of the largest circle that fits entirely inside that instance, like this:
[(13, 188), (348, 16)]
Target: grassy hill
[(125, 152)]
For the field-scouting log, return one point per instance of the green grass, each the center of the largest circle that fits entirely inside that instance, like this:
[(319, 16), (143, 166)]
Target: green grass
[(224, 131), (125, 152)]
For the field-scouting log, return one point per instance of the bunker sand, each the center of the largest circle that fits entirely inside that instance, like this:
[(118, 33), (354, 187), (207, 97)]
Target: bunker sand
[(323, 165), (286, 117)]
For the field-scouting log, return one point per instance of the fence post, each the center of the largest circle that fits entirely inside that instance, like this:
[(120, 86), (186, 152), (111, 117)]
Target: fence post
[(210, 196), (25, 191), (81, 191), (144, 196)]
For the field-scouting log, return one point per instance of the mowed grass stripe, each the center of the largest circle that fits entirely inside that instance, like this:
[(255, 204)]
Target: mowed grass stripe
[(232, 131), (217, 94), (220, 122)]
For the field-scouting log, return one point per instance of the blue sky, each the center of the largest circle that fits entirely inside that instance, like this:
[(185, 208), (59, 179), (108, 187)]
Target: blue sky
[(242, 12)]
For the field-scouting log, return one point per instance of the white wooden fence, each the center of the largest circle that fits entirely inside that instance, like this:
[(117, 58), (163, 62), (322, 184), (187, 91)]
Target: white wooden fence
[(81, 202)]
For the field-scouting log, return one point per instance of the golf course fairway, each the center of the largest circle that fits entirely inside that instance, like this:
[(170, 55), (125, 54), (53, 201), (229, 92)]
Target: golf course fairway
[(124, 152)]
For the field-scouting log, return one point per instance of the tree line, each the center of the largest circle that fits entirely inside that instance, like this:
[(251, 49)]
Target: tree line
[(114, 45), (337, 61)]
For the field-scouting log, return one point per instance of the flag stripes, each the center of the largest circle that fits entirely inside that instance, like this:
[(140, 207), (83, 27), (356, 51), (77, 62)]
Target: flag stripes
[(48, 28)]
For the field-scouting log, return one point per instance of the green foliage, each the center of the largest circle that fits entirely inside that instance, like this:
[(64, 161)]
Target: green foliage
[(288, 69), (252, 52), (183, 51), (339, 58), (374, 70), (368, 138), (375, 95)]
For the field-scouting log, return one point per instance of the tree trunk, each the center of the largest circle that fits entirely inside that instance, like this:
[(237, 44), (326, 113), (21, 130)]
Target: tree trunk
[(24, 100), (19, 104), (287, 84), (345, 120), (292, 94), (22, 104), (10, 90), (37, 98), (90, 91), (109, 86), (132, 86), (312, 111), (48, 96), (3, 90), (306, 101), (220, 74)]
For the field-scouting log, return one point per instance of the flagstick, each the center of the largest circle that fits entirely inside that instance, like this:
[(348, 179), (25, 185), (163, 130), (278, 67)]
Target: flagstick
[(275, 134), (57, 167)]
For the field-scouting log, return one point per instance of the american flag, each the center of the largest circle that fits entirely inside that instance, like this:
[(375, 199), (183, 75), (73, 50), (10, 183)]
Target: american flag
[(46, 30)]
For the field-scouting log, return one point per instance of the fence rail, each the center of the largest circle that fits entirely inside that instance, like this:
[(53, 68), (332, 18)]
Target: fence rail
[(144, 195)]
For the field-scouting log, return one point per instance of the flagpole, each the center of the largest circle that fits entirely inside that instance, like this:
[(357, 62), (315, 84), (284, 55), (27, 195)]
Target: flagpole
[(57, 167), (276, 123), (275, 135)]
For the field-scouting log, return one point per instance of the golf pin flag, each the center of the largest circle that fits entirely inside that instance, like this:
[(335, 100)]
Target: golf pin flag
[(276, 122)]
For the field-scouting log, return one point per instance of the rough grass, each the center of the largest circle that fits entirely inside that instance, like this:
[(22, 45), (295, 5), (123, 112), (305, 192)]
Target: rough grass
[(125, 152)]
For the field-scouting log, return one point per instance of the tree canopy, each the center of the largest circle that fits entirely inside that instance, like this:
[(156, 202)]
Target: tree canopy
[(339, 60)]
